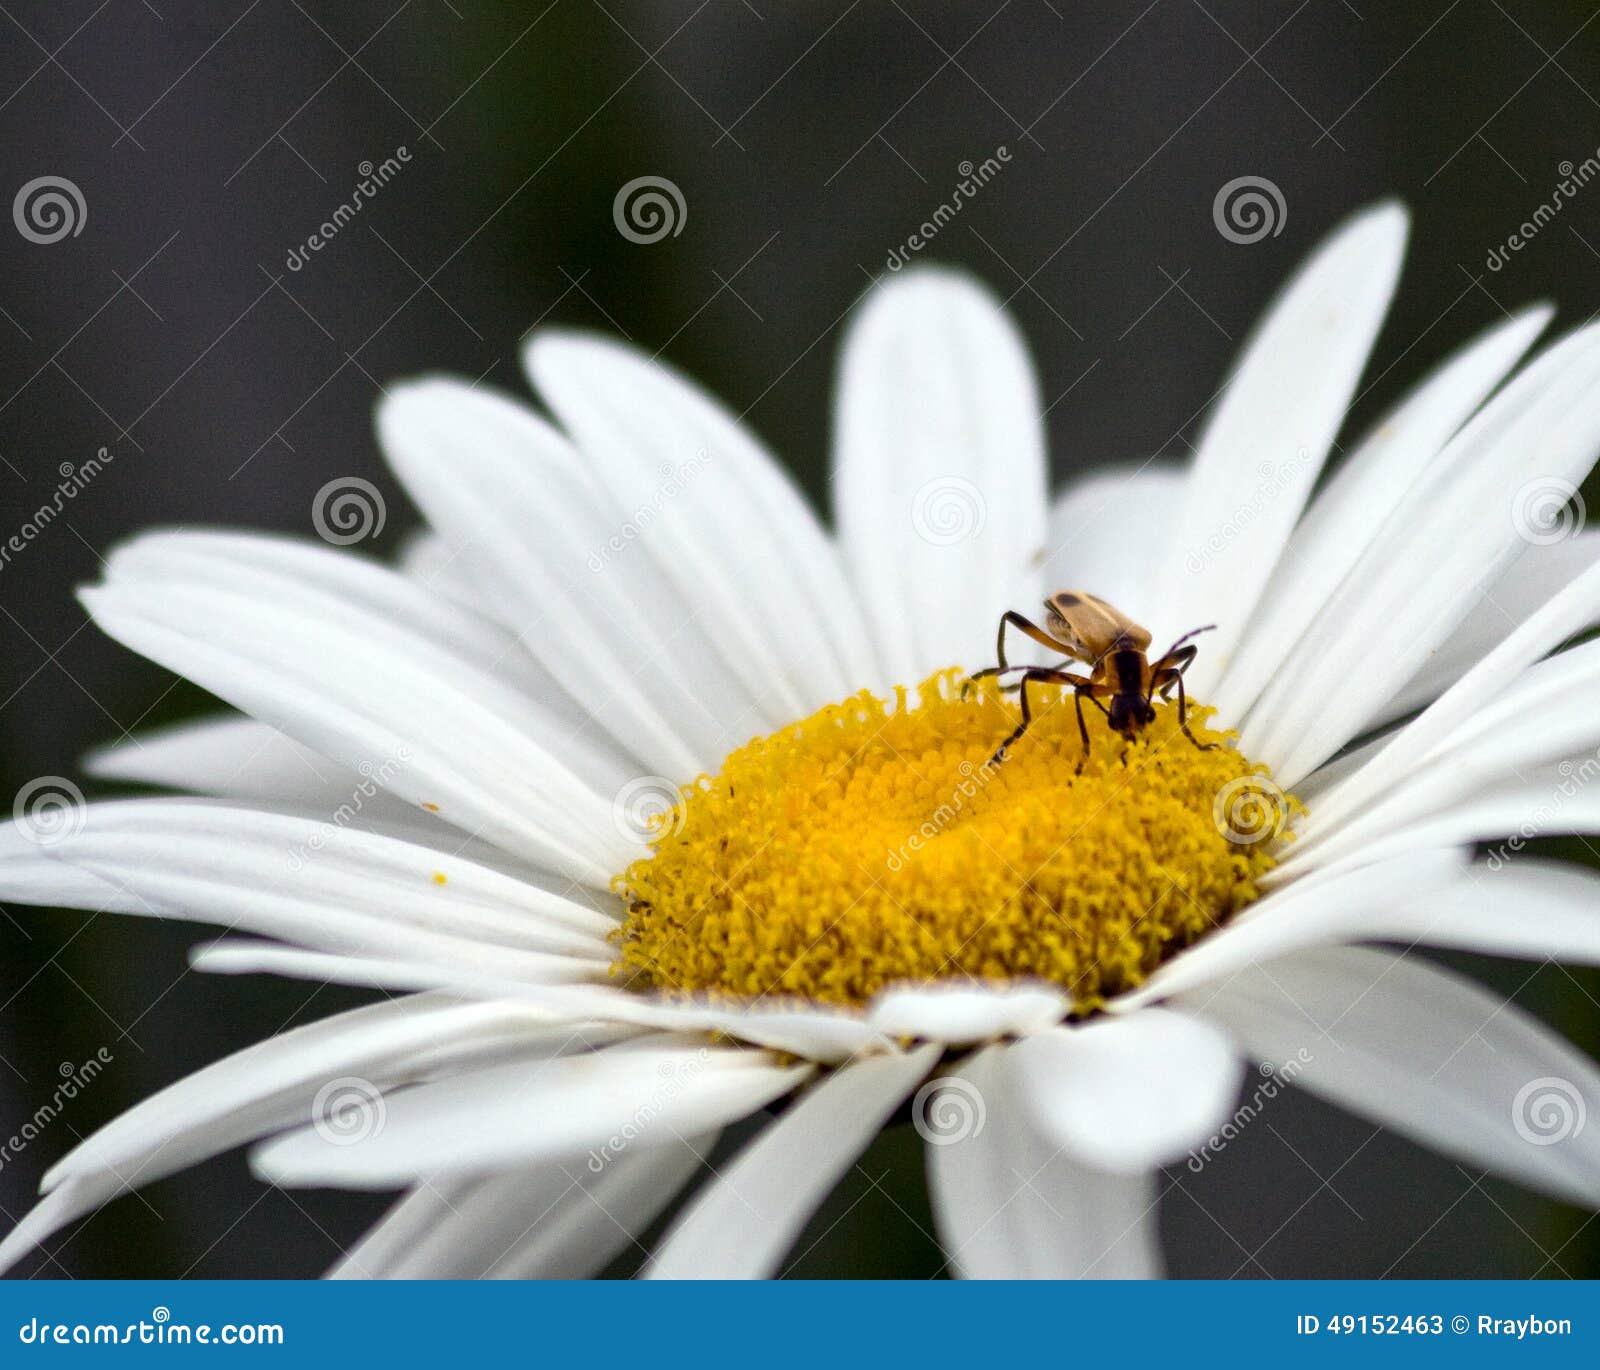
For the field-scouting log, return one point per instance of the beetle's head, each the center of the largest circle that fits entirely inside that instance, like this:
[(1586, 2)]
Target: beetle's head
[(1130, 714)]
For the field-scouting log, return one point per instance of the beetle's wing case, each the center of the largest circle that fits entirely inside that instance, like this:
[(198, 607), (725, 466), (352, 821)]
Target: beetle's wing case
[(1091, 624)]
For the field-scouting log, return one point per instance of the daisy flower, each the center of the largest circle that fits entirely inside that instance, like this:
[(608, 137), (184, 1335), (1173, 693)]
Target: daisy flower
[(652, 808)]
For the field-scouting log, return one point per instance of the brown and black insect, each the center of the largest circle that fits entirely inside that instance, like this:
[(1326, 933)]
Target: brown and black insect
[(1091, 632)]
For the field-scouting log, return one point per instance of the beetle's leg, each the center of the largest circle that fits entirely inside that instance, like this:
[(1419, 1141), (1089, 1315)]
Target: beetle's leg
[(1044, 675), (1083, 732), (1175, 662), (1165, 679), (1013, 688), (1011, 618), (1086, 689), (1015, 620), (988, 671), (1164, 673)]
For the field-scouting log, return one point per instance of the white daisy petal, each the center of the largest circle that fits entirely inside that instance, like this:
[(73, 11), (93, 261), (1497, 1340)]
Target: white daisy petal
[(239, 758), (634, 1094), (384, 1251), (433, 729), (333, 888), (361, 596), (1012, 1204), (1345, 906), (596, 1222), (1331, 773), (743, 1223), (272, 1083), (1542, 720), (1440, 547), (53, 1212), (236, 758), (939, 471), (29, 874), (816, 1032), (276, 1083), (1529, 583), (1095, 523), (553, 1221), (570, 571), (1127, 1094), (1080, 1223), (1544, 801), (736, 537), (359, 593), (1451, 718), (242, 956), (959, 1015), (1554, 918), (1342, 521), (1271, 431), (1427, 1053), (968, 1186), (428, 558)]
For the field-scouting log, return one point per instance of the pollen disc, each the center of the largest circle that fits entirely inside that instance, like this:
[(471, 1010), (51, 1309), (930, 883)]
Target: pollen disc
[(877, 842)]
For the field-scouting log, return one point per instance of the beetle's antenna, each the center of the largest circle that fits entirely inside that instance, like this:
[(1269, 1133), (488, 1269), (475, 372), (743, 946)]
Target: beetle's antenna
[(1193, 632)]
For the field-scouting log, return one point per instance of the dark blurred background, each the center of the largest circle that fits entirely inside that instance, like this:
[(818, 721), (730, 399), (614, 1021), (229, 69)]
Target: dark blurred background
[(209, 140)]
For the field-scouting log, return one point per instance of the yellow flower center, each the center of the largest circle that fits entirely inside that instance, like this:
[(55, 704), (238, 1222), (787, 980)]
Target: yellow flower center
[(875, 843)]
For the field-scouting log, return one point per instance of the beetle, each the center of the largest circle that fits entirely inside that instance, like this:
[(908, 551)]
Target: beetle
[(1093, 633)]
